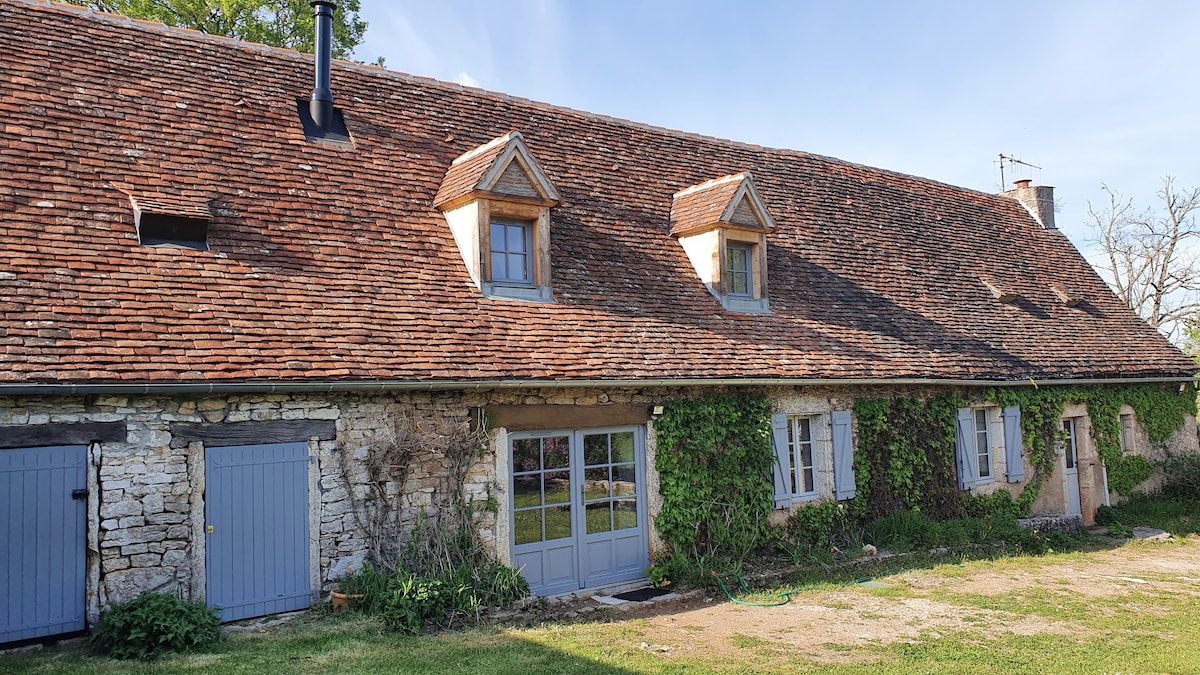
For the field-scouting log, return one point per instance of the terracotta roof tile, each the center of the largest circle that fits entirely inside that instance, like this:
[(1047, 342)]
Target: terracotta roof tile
[(334, 264)]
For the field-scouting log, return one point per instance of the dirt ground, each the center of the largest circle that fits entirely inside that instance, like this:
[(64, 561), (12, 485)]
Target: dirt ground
[(899, 607)]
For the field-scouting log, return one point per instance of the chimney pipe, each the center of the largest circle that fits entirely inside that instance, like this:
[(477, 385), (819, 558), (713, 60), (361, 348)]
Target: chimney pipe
[(321, 105)]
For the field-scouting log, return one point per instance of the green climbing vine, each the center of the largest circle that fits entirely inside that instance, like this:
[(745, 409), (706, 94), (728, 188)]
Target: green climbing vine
[(714, 461), (905, 457), (1161, 410)]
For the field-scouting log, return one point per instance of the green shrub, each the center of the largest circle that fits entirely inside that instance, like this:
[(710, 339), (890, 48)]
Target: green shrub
[(901, 532), (413, 601), (1106, 515), (1181, 476), (155, 623)]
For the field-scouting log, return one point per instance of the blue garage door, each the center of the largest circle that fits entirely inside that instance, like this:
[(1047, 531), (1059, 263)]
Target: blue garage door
[(44, 538), (256, 512)]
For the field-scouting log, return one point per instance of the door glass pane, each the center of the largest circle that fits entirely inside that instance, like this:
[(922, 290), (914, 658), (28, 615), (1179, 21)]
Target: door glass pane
[(624, 514), (595, 483), (525, 455), (622, 447), (558, 487), (556, 451), (624, 480), (599, 517), (527, 526), (595, 449), (526, 491), (558, 522)]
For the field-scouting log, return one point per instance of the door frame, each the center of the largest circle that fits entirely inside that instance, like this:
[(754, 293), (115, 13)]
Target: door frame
[(578, 512)]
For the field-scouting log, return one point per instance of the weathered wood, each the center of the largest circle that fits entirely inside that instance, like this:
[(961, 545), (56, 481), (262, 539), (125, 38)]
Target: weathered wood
[(252, 433), (43, 435), (530, 417)]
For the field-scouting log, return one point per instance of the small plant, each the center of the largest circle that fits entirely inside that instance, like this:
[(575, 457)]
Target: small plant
[(155, 623), (658, 576), (1120, 531), (1181, 476)]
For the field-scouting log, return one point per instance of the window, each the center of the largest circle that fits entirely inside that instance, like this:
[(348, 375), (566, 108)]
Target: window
[(1070, 449), (801, 475), (1127, 440), (983, 447), (740, 267), (974, 442), (511, 249)]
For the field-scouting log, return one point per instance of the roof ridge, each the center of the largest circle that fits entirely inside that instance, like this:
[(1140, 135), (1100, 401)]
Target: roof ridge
[(155, 26), (744, 175), (494, 143)]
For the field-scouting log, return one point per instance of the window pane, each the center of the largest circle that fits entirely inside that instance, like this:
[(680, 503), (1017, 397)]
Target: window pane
[(558, 522), (499, 266), (527, 491), (516, 239), (517, 267), (599, 517), (525, 455), (624, 480), (624, 514), (556, 451), (595, 483), (595, 449), (558, 487), (805, 429), (809, 481), (622, 446), (497, 237), (527, 526)]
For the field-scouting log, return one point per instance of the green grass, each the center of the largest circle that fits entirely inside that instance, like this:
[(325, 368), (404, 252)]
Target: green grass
[(1151, 627), (1180, 517)]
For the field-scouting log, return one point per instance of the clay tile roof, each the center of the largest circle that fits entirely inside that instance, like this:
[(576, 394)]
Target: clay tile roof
[(712, 203), (169, 204), (333, 265), (472, 171)]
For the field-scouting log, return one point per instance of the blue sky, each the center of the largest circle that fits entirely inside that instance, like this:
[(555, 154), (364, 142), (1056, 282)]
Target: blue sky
[(1092, 92)]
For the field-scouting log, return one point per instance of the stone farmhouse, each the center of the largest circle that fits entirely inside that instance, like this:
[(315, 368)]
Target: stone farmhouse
[(218, 286)]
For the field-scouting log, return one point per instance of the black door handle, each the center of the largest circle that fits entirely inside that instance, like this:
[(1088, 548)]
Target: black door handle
[(80, 494)]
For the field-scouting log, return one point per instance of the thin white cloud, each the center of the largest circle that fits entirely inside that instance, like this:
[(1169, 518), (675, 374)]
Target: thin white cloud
[(466, 80)]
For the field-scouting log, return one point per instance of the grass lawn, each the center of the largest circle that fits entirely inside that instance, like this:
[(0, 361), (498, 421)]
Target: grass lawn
[(1131, 609)]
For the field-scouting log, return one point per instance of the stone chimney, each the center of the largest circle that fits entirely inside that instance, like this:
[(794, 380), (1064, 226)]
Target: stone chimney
[(1038, 200)]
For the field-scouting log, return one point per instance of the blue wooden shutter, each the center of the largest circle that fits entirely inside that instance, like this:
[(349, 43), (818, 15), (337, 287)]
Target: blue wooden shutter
[(1013, 445), (964, 443), (783, 463), (843, 455)]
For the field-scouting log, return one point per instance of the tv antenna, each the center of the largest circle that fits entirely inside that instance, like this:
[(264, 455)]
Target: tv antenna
[(1006, 160)]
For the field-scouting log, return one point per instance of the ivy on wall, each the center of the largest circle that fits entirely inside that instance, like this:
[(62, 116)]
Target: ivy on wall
[(1161, 410), (714, 459), (905, 457)]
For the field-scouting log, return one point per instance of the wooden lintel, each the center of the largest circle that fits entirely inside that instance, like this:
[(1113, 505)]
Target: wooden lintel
[(44, 435), (251, 433), (531, 417)]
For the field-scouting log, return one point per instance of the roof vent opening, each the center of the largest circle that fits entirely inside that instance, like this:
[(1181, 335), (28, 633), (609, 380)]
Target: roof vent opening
[(168, 221), (321, 121)]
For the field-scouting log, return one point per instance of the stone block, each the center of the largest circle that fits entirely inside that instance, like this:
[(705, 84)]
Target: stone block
[(128, 584), (152, 503), (128, 507), (167, 518), (176, 558), (179, 532), (345, 566), (134, 535), (131, 521), (155, 479), (324, 414), (134, 549)]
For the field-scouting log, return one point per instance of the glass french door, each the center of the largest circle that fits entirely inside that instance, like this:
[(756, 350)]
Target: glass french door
[(578, 508)]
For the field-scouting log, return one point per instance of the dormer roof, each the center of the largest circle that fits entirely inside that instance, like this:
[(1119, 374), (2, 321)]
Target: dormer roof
[(730, 201), (502, 167)]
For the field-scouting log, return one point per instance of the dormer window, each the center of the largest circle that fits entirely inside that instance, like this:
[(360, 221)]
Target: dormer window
[(511, 242), (740, 265), (722, 226), (497, 202), (171, 221)]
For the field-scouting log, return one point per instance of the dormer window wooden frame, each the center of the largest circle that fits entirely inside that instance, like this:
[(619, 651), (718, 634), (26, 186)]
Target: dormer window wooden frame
[(499, 187), (723, 225)]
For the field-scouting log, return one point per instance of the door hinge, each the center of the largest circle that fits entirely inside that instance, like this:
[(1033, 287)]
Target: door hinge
[(80, 494)]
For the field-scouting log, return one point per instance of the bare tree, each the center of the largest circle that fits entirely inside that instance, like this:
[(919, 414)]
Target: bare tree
[(1151, 259)]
